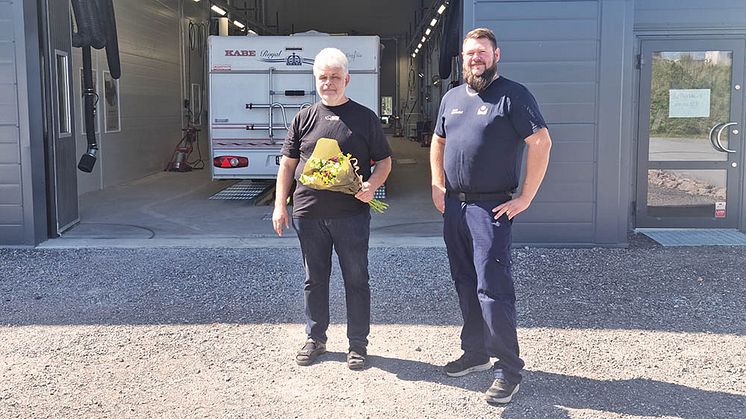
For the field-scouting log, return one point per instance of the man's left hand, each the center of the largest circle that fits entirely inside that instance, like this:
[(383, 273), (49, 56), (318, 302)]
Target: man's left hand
[(512, 208), (366, 193)]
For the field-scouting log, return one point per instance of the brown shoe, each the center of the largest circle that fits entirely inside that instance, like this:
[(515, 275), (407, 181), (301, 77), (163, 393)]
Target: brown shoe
[(357, 358), (309, 352)]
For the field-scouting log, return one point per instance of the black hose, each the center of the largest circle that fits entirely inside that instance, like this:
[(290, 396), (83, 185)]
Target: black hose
[(88, 19), (96, 28), (112, 43), (88, 160)]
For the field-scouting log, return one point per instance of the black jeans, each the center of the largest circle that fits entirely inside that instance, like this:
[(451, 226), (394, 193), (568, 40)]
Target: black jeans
[(348, 237), (479, 254)]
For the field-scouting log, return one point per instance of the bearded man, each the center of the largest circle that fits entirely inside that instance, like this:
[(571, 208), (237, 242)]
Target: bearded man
[(482, 129)]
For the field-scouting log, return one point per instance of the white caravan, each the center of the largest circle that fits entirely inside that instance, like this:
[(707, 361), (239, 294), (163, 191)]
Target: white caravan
[(258, 83)]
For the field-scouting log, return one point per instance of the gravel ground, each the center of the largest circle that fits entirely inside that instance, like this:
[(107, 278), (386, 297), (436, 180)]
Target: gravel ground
[(640, 332)]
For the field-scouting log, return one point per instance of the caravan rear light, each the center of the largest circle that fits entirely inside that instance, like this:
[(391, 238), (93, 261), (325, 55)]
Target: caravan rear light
[(229, 162)]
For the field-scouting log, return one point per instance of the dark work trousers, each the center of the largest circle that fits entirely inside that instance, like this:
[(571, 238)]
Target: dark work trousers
[(479, 254), (348, 236)]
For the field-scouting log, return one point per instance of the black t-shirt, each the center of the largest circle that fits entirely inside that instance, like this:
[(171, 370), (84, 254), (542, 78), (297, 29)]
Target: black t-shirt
[(484, 135), (358, 132)]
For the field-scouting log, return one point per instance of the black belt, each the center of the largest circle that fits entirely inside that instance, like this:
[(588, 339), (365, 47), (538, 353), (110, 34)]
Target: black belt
[(471, 197)]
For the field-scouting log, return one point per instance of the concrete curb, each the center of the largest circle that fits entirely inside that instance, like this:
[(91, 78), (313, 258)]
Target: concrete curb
[(250, 242)]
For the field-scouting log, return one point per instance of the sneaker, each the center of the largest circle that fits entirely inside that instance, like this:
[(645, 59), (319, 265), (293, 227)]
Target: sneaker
[(309, 352), (501, 391), (467, 364)]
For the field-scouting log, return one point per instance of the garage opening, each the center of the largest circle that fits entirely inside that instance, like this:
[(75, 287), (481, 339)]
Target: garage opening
[(157, 175)]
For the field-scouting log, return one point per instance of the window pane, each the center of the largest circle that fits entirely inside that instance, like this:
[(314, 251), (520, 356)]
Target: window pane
[(63, 94), (686, 193), (690, 94)]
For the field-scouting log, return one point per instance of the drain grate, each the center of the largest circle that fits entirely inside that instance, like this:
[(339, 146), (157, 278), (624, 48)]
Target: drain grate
[(246, 189), (695, 236)]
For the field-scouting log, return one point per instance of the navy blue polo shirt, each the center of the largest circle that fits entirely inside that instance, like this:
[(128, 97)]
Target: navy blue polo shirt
[(484, 135)]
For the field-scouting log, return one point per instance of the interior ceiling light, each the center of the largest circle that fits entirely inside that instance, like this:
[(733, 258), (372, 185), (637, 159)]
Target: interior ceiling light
[(218, 10), (429, 29), (414, 55), (239, 24)]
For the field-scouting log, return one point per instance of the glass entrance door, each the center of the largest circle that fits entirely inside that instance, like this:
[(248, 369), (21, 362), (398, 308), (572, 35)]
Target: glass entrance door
[(690, 136)]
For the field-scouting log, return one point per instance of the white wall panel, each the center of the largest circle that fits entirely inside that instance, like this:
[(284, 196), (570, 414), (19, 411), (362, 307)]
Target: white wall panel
[(151, 93)]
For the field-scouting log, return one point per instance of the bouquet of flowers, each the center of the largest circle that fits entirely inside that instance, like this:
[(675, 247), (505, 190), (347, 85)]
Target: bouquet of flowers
[(330, 169)]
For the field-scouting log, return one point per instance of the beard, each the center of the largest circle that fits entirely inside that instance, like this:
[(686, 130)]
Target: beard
[(480, 82)]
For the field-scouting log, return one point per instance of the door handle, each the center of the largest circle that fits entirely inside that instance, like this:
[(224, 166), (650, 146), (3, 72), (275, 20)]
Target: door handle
[(716, 144), (720, 131)]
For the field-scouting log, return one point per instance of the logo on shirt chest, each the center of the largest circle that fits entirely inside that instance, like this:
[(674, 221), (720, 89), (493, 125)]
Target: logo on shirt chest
[(456, 111), (332, 118), (482, 110)]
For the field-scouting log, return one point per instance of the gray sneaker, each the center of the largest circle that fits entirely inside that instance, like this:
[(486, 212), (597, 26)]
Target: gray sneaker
[(501, 391)]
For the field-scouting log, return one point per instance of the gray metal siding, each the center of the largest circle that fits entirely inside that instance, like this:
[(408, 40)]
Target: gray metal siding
[(672, 15), (614, 139), (11, 202), (22, 194), (552, 47)]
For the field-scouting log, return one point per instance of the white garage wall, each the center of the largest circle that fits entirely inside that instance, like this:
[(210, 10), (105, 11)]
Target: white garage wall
[(151, 92)]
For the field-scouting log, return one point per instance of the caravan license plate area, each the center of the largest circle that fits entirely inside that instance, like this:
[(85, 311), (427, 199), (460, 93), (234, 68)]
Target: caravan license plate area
[(277, 160)]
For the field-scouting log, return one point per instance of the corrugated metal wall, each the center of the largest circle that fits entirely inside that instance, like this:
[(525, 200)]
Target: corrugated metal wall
[(11, 200), (690, 15), (22, 172), (552, 47)]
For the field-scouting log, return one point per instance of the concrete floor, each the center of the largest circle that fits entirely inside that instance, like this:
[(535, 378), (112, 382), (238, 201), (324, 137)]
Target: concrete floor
[(174, 209)]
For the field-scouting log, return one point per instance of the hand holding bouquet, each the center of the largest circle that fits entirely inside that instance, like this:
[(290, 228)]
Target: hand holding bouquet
[(330, 169)]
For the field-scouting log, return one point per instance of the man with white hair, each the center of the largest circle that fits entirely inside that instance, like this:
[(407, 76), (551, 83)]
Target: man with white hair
[(324, 219)]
